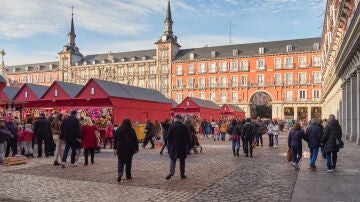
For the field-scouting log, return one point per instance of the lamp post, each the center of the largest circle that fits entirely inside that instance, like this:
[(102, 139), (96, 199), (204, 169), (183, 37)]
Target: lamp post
[(2, 52)]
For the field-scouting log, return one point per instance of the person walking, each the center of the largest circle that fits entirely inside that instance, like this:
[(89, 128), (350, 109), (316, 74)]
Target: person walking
[(248, 132), (260, 127), (179, 143), (165, 128), (55, 129), (276, 131), (222, 130), (149, 129), (5, 134), (313, 136), (126, 145), (108, 134), (235, 137), (157, 129), (42, 131), (88, 139), (203, 126), (295, 143), (70, 135), (332, 134), (270, 132)]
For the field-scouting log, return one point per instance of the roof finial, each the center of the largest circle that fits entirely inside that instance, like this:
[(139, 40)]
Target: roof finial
[(168, 21), (72, 10)]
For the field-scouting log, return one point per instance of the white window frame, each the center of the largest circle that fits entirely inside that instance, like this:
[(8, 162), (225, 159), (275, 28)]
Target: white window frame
[(178, 70), (202, 82), (202, 96), (235, 52), (289, 95), (234, 66), (141, 70), (212, 67), (223, 66), (277, 75), (191, 69), (212, 96), (260, 81), (316, 62), (234, 81), (223, 81), (234, 96), (152, 69), (277, 65), (299, 78), (314, 92), (223, 97), (178, 83), (316, 80), (130, 71), (190, 82), (244, 65), (289, 64), (212, 82), (202, 68), (243, 82), (302, 94), (302, 63), (152, 83), (291, 78), (260, 64), (141, 83), (179, 97)]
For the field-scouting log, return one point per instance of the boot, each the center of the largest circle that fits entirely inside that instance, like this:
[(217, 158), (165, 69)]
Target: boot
[(237, 152), (234, 153)]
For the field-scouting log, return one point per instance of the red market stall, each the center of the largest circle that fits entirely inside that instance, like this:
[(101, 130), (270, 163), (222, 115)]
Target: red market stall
[(229, 111), (7, 102), (201, 109)]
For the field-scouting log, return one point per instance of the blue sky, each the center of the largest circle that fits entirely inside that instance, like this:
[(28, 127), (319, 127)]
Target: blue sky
[(35, 31)]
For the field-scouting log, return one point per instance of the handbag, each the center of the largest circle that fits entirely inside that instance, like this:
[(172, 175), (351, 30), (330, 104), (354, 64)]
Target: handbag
[(289, 158), (339, 143)]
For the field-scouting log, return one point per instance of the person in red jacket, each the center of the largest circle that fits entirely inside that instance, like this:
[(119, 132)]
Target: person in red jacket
[(88, 139), (108, 134), (26, 138)]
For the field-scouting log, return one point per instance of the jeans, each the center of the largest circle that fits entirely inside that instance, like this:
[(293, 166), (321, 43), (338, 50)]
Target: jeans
[(69, 145), (276, 140), (259, 137), (127, 163), (1, 151), (331, 159), (223, 136), (173, 164), (27, 148), (235, 145), (204, 133), (296, 154), (11, 143), (313, 156)]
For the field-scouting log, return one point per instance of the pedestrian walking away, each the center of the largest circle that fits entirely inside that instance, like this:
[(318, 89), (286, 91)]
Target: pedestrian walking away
[(296, 135), (165, 127), (235, 137), (276, 131), (5, 134), (149, 134), (313, 137), (88, 139), (247, 133)]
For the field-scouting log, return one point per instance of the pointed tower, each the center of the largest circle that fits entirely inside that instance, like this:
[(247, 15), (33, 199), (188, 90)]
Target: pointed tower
[(166, 49), (70, 53)]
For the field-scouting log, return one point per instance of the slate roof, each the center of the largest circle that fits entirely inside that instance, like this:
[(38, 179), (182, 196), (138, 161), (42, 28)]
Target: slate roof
[(235, 108), (10, 92), (250, 49), (38, 90), (132, 92), (204, 103), (138, 55), (32, 67), (2, 80), (71, 89)]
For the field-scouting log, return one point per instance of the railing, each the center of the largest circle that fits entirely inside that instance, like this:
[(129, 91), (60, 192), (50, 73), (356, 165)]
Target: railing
[(288, 66), (297, 99), (164, 71)]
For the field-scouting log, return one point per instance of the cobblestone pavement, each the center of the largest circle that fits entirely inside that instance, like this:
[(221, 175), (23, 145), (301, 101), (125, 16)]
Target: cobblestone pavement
[(213, 175)]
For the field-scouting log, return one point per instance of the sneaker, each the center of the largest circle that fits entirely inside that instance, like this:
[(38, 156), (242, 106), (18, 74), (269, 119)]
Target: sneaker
[(74, 164), (63, 164), (329, 170)]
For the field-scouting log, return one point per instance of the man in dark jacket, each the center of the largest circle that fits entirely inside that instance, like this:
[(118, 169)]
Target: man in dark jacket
[(70, 134), (5, 134), (165, 127), (179, 143), (332, 132), (313, 137), (12, 141), (42, 131), (149, 134), (248, 132)]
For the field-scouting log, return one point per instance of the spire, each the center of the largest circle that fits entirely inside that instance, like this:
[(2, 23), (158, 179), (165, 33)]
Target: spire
[(168, 21), (72, 35)]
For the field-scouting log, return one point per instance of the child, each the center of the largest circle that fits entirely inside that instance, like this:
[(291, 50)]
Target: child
[(26, 135), (216, 132)]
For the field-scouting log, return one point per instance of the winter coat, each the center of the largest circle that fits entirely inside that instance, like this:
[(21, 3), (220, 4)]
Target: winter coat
[(332, 131), (295, 138), (178, 140), (126, 143), (248, 131), (270, 129), (55, 127), (4, 134), (149, 129), (313, 135), (108, 131), (27, 134), (70, 129), (165, 128), (13, 128), (223, 128), (276, 129), (42, 127), (88, 137)]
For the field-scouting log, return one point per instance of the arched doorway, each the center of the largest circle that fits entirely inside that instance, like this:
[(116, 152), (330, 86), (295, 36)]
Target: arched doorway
[(260, 105)]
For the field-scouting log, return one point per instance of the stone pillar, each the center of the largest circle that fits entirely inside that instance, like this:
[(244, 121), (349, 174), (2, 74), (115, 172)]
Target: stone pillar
[(348, 109), (343, 108), (358, 106), (295, 113), (309, 113), (353, 104)]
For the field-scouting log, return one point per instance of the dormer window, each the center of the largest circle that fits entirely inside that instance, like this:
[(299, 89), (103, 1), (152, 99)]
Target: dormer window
[(84, 63), (289, 48), (316, 46), (56, 93), (144, 58), (26, 94), (261, 50), (133, 59), (235, 52), (92, 91), (26, 68), (213, 54), (110, 56), (14, 70), (76, 64), (122, 59), (50, 67), (94, 62), (191, 56)]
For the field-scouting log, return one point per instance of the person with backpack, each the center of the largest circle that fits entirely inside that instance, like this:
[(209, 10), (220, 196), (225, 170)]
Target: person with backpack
[(235, 137), (247, 133), (295, 143)]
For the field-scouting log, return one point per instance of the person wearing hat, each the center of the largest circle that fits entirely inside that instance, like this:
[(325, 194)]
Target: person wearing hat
[(5, 134), (178, 144)]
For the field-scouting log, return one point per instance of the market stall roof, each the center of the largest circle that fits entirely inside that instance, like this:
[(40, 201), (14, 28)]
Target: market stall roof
[(200, 103), (9, 92), (119, 90), (36, 92), (2, 82), (70, 89), (230, 107)]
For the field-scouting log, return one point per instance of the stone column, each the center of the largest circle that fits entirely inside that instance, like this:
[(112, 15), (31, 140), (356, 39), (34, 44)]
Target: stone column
[(343, 108), (295, 113), (353, 104), (348, 109), (309, 113), (357, 95)]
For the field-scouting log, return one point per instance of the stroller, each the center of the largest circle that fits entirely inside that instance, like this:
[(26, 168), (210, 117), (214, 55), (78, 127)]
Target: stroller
[(195, 145)]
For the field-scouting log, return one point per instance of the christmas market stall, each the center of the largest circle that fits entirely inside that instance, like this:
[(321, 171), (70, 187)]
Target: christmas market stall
[(229, 111), (7, 103), (198, 109)]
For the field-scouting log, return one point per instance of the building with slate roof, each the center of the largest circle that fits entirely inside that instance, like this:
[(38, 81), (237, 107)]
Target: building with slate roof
[(277, 79)]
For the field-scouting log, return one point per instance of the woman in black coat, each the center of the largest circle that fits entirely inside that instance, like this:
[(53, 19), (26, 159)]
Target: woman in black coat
[(126, 145), (165, 127), (332, 132)]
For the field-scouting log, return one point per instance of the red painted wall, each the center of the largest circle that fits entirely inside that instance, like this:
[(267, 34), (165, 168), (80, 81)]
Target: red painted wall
[(21, 94), (86, 91), (50, 93)]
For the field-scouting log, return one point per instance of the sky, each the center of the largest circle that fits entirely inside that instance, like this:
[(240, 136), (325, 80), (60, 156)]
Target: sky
[(35, 31)]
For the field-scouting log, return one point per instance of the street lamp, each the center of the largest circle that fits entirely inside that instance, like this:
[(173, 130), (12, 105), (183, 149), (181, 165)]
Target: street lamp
[(2, 52)]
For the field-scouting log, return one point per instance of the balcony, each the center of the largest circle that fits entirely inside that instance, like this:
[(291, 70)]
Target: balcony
[(202, 86), (179, 73), (234, 69), (164, 71), (301, 100), (191, 72), (303, 65), (244, 69), (261, 68), (201, 71), (152, 72), (224, 69), (223, 85), (288, 66), (212, 71)]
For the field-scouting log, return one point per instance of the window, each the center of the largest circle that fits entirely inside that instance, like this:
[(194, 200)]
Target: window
[(316, 77), (223, 82), (163, 54), (191, 69), (54, 77), (316, 46), (48, 77), (12, 81), (130, 71), (26, 94), (92, 72), (223, 66), (234, 96), (179, 83), (179, 97), (234, 66), (152, 84), (316, 94), (260, 79), (278, 79), (178, 70), (288, 78), (316, 62), (277, 63), (223, 97), (261, 50), (141, 70), (202, 68), (130, 82), (73, 75), (202, 96), (289, 95), (164, 83), (56, 93), (190, 95), (302, 78), (289, 63), (243, 80), (164, 69), (82, 73), (212, 96), (234, 81), (302, 94), (201, 83), (213, 54), (191, 56), (92, 91), (212, 67), (190, 82), (260, 64), (23, 79), (212, 82), (289, 48), (302, 62), (29, 79), (235, 52), (142, 83), (152, 69), (244, 65)]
